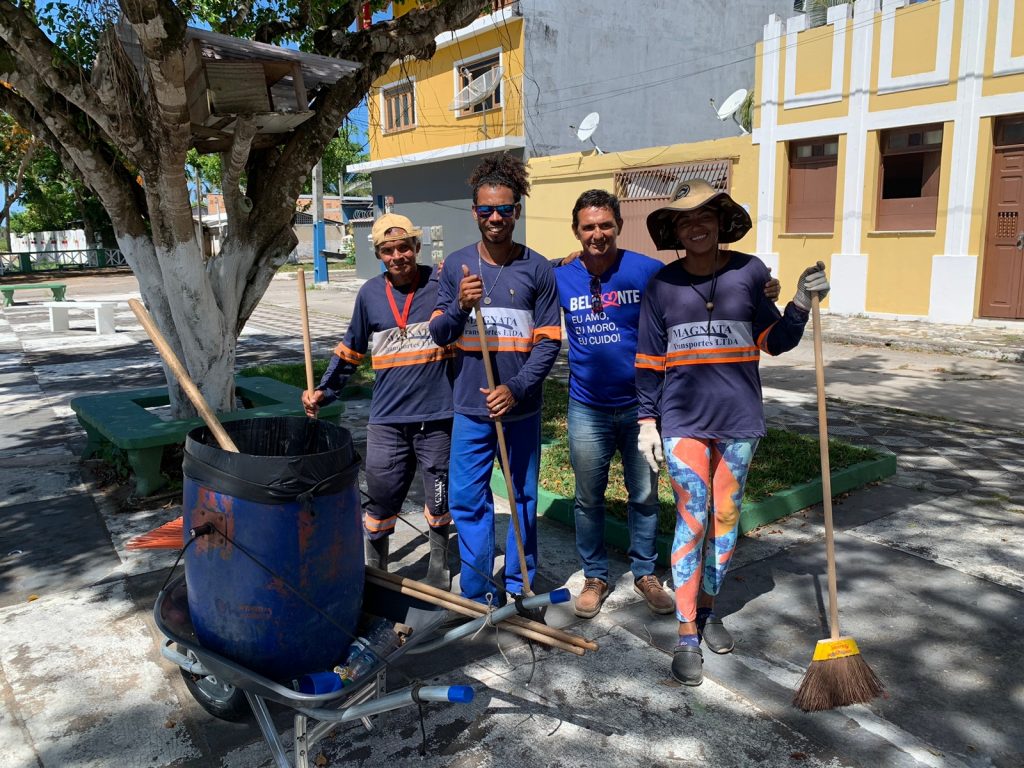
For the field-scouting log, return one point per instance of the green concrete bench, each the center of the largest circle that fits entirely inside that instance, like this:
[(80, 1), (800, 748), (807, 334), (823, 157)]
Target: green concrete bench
[(122, 419), (8, 290)]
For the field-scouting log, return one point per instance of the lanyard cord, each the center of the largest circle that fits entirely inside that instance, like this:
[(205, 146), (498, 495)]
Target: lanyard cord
[(402, 319)]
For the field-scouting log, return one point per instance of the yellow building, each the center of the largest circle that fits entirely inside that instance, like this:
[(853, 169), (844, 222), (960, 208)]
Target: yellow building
[(430, 121), (887, 142), (536, 78)]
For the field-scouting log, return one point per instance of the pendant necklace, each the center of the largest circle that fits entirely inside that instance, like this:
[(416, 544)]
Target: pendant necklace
[(402, 320), (709, 300), (480, 271)]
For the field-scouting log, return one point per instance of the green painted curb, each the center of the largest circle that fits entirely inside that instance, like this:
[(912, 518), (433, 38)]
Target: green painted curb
[(776, 506)]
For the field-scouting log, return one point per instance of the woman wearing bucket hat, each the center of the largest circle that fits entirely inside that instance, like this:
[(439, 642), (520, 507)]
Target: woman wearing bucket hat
[(704, 321)]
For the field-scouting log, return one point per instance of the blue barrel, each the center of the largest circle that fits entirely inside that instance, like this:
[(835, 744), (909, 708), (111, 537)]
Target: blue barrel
[(277, 583)]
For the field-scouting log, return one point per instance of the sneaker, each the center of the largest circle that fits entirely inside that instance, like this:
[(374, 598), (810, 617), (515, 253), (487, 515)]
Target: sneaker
[(590, 600), (650, 589), (688, 665), (716, 637)]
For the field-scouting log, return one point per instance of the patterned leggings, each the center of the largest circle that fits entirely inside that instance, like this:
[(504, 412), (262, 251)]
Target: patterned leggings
[(693, 465)]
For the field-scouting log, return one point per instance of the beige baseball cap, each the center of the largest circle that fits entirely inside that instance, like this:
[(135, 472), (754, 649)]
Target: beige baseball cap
[(393, 226), (689, 195)]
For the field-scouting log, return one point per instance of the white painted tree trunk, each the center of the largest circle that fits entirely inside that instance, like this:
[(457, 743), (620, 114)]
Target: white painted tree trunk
[(179, 294)]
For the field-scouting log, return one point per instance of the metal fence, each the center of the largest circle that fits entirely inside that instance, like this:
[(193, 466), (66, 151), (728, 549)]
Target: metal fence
[(61, 261)]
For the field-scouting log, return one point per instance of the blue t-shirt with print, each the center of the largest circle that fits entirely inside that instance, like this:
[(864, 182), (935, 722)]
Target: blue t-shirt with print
[(602, 346)]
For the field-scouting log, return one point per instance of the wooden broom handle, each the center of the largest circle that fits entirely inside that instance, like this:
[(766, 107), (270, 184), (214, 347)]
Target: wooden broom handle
[(223, 438), (826, 470), (477, 609), (304, 315), (517, 629), (481, 330)]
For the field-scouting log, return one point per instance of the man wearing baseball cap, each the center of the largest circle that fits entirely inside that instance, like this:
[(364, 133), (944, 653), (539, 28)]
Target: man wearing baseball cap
[(411, 411)]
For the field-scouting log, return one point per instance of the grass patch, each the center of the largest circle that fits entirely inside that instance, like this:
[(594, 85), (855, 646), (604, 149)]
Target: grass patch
[(295, 373), (783, 459)]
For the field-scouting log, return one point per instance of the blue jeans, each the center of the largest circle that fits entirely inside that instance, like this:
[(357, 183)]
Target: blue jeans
[(594, 436), (474, 447)]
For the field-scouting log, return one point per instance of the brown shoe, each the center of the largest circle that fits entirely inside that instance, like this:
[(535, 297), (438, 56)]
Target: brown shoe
[(658, 600), (588, 604)]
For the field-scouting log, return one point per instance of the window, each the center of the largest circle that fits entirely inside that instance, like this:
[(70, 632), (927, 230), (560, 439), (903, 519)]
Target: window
[(399, 107), (908, 195), (811, 196), (642, 190), (469, 71), (1010, 131)]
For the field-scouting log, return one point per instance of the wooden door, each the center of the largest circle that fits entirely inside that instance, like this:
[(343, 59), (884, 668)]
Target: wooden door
[(1002, 286)]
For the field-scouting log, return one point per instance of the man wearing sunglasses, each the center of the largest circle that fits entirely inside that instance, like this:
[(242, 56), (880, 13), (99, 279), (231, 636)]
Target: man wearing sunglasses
[(411, 411), (599, 290), (513, 288)]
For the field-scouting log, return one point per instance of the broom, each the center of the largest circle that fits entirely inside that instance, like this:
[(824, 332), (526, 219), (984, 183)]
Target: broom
[(304, 315), (171, 535), (838, 674), (481, 330)]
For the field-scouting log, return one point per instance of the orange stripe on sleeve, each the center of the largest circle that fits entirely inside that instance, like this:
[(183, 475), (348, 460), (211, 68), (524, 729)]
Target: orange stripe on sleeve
[(436, 313), (553, 332), (652, 362), (762, 339), (348, 355)]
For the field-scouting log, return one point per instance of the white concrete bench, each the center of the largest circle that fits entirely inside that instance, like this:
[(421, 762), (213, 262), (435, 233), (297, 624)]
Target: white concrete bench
[(103, 312)]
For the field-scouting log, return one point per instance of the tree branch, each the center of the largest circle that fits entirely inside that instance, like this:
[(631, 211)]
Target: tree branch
[(36, 56), (53, 121), (233, 163)]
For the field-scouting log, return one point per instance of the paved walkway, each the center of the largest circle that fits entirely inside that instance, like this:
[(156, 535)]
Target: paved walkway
[(930, 572)]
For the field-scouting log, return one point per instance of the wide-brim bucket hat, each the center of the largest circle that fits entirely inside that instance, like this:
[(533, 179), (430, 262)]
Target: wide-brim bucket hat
[(734, 221)]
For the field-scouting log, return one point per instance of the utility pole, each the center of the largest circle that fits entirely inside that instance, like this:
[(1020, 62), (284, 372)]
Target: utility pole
[(319, 228)]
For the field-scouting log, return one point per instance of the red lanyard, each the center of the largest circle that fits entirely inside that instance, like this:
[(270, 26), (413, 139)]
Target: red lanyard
[(402, 319)]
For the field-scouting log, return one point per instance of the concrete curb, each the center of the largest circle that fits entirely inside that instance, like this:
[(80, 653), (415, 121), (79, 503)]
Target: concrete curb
[(975, 349), (774, 507)]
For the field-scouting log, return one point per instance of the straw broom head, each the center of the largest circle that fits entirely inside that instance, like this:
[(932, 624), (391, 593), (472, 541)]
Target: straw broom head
[(837, 677)]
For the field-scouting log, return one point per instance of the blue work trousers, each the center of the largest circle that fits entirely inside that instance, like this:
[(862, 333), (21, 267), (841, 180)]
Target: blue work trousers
[(474, 448), (595, 434)]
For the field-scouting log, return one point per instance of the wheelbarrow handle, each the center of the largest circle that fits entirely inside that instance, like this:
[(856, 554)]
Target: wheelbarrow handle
[(455, 694)]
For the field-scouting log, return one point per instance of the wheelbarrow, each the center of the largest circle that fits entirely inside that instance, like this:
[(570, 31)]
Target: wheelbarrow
[(230, 691)]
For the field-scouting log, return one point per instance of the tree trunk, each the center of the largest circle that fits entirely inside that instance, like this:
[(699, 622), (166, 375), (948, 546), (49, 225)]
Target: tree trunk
[(180, 299)]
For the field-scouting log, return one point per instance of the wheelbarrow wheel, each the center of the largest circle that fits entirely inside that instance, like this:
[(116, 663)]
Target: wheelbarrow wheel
[(221, 699)]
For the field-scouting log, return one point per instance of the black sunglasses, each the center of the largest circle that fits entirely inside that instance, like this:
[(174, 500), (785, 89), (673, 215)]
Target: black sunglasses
[(506, 211), (596, 303)]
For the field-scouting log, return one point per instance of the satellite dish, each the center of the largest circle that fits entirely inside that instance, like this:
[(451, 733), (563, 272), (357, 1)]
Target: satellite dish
[(586, 129), (477, 89), (588, 126), (731, 106)]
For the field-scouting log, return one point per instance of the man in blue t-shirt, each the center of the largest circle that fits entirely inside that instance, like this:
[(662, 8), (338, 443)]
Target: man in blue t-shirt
[(600, 294)]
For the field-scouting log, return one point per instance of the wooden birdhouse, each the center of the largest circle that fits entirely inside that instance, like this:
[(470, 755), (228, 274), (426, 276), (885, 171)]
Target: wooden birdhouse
[(228, 77), (220, 89)]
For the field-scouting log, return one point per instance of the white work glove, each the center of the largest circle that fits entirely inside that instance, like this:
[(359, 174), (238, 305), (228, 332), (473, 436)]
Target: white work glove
[(649, 444), (811, 279)]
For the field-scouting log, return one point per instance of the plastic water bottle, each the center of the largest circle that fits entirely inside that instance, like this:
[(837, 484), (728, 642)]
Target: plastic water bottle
[(366, 652)]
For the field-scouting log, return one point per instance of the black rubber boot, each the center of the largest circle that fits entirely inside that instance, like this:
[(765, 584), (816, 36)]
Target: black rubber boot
[(375, 551), (438, 574)]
